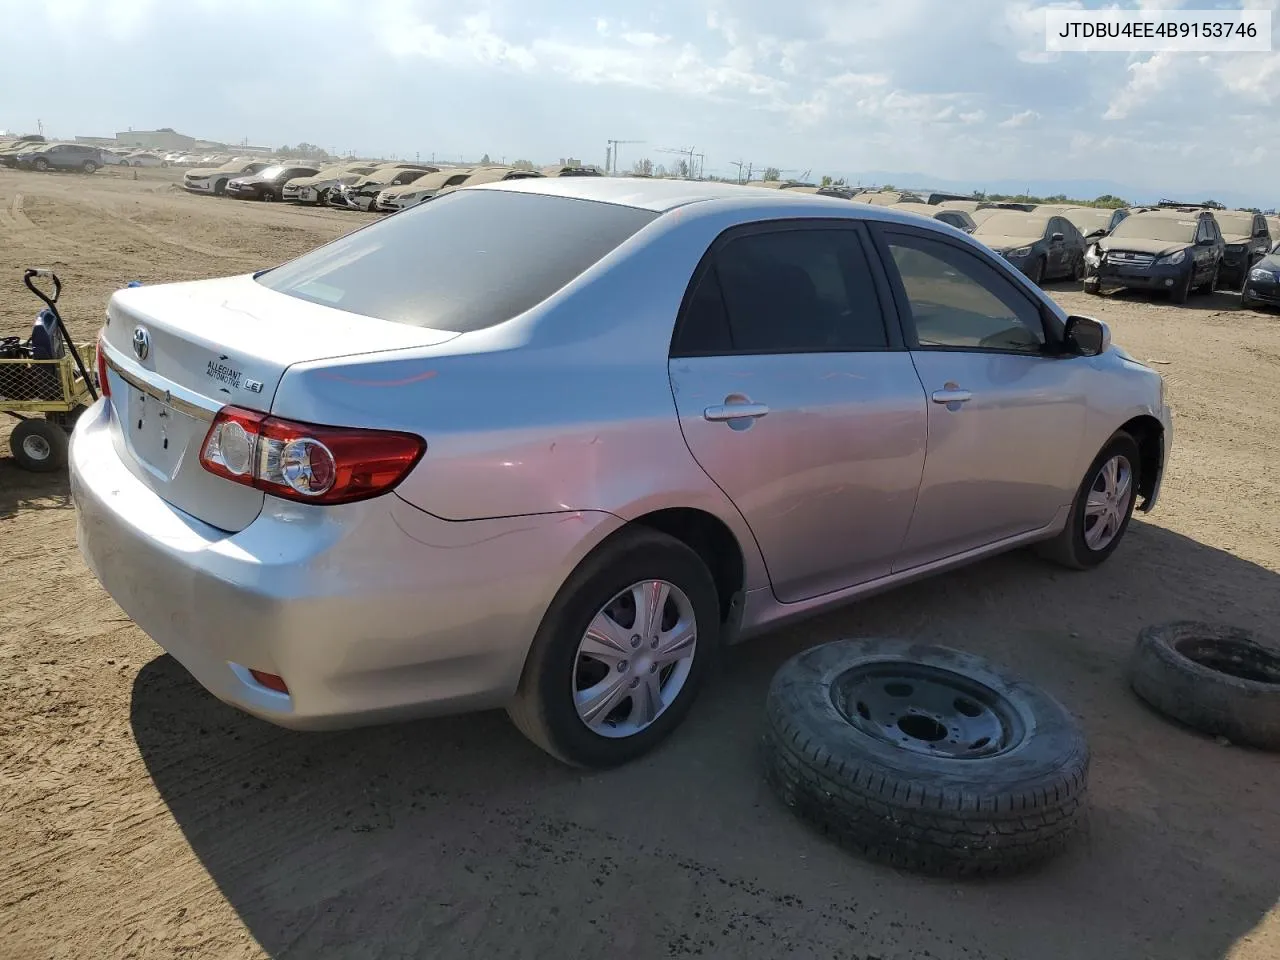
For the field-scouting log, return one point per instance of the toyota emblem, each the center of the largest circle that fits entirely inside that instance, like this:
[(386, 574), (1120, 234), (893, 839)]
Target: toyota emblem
[(141, 342)]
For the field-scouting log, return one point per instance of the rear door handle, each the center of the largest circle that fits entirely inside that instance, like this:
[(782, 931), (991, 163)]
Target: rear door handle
[(736, 411), (951, 395)]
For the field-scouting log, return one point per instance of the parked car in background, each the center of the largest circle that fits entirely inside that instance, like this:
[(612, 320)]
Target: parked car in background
[(571, 170), (214, 180), (361, 194), (421, 190), (61, 156), (145, 158), (1262, 286), (268, 183), (960, 219), (11, 147), (840, 193), (490, 175), (315, 190), (114, 156), (1246, 240), (968, 206), (1175, 251), (886, 198), (506, 357), (1043, 246), (1094, 223)]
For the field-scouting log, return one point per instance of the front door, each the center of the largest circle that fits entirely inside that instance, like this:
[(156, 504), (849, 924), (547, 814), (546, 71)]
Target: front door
[(797, 399), (1006, 416)]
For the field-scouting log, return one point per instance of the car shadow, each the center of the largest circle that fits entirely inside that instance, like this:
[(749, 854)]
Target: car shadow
[(1219, 301), (456, 838), (23, 490)]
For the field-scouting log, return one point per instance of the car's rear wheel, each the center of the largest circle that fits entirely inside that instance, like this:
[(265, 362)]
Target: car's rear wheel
[(1102, 509), (40, 164), (89, 166), (220, 188), (620, 654)]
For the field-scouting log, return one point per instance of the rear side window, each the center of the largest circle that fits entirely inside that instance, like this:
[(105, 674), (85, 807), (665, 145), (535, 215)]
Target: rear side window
[(785, 291), (463, 262)]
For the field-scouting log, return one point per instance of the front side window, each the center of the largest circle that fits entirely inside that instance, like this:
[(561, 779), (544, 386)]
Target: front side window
[(958, 302), (785, 291)]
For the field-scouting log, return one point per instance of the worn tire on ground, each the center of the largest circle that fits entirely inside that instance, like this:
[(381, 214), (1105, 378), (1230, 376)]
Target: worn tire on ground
[(933, 814), (1181, 670)]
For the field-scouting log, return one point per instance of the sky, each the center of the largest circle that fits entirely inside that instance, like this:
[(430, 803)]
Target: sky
[(954, 89)]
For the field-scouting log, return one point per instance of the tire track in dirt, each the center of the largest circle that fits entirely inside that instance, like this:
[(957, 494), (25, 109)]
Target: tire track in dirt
[(118, 218)]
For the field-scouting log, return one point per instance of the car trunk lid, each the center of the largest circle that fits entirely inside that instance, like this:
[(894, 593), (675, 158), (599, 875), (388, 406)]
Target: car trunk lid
[(180, 352)]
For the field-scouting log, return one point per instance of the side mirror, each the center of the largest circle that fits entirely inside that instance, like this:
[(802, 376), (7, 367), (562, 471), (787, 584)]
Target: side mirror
[(1086, 337), (1057, 238)]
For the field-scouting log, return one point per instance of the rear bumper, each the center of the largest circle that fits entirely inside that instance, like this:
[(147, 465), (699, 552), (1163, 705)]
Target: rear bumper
[(369, 611)]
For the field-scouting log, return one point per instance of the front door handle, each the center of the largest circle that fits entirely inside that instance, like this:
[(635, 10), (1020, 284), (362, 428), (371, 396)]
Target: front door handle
[(735, 411), (951, 394)]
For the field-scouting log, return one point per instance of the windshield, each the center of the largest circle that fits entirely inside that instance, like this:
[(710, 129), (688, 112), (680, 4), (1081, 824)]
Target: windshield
[(464, 262), (1168, 229), (270, 173), (1089, 219), (1011, 223), (1235, 224)]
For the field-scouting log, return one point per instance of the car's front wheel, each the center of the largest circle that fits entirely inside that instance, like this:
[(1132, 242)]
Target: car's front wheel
[(40, 164), (1036, 274), (620, 654), (1102, 508)]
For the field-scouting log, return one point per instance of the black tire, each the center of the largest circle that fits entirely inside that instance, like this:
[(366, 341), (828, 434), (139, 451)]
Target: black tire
[(1036, 275), (267, 196), (1246, 302), (90, 167), (1216, 679), (543, 707), (220, 188), (40, 164), (1211, 284), (1182, 291), (39, 446), (1093, 287), (937, 814), (1077, 271), (1070, 548)]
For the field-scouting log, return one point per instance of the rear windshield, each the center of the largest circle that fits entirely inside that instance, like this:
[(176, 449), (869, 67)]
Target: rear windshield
[(1168, 229), (462, 262)]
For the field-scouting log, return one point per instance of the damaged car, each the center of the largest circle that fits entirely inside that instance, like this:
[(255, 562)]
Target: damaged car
[(1177, 252)]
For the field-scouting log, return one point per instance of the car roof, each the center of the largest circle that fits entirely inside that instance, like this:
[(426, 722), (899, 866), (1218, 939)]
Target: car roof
[(1167, 213), (656, 195)]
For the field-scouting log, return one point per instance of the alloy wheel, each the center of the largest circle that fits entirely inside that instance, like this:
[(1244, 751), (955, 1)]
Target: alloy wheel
[(1108, 503), (634, 658)]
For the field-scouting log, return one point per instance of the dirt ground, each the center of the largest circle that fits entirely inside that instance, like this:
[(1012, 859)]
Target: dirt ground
[(141, 818)]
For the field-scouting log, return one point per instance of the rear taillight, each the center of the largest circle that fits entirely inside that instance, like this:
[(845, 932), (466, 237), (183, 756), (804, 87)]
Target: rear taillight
[(305, 462), (104, 388)]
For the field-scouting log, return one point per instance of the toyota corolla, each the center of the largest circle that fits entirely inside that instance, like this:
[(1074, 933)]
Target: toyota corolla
[(606, 427)]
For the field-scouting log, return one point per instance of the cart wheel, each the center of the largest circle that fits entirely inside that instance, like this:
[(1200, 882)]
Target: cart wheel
[(39, 445)]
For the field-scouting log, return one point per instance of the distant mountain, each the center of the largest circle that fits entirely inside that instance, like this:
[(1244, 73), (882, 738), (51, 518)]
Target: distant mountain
[(1083, 189)]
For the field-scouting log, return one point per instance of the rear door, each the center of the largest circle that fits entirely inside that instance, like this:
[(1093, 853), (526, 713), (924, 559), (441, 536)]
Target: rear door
[(1005, 417), (797, 399)]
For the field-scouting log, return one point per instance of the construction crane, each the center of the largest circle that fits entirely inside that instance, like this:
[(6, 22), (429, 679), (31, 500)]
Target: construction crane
[(611, 154), (693, 159)]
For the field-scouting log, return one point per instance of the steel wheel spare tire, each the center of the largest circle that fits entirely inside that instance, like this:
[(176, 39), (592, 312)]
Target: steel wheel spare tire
[(925, 758), (1216, 679)]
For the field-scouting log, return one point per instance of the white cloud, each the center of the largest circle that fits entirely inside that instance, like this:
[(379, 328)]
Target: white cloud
[(1020, 119)]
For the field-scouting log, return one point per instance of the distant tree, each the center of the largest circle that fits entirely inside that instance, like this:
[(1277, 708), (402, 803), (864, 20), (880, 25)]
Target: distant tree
[(521, 165), (1110, 200), (840, 182), (1057, 198), (772, 173), (643, 167), (888, 187), (826, 181), (660, 171), (305, 150), (682, 167), (979, 195), (485, 160)]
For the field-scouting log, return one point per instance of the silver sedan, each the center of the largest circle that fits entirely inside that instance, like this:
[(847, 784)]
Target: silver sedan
[(547, 444)]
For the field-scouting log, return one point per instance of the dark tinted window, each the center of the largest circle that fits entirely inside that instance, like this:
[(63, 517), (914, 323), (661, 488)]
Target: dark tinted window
[(465, 261), (958, 301), (786, 291)]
